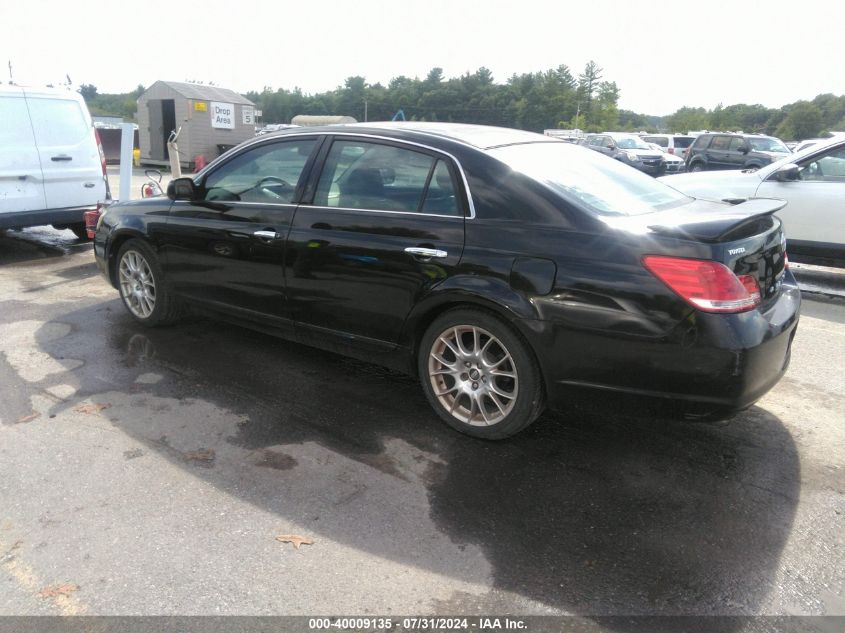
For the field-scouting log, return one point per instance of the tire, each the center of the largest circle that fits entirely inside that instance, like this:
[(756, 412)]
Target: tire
[(142, 286), (696, 167), (80, 232), (479, 375)]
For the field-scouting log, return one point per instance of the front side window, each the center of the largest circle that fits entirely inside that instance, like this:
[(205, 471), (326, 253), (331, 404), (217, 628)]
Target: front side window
[(683, 141), (828, 167), (366, 175), (737, 144), (267, 173)]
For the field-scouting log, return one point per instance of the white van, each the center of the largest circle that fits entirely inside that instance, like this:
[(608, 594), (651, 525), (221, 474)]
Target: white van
[(52, 166)]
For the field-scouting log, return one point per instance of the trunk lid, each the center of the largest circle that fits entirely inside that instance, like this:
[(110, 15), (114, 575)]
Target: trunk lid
[(746, 237)]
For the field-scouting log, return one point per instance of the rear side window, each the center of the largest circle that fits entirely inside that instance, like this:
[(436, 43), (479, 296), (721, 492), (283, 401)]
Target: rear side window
[(15, 128), (683, 141), (58, 121), (364, 175)]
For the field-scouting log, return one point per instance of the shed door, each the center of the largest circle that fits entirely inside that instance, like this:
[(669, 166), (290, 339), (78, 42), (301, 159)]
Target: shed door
[(157, 135)]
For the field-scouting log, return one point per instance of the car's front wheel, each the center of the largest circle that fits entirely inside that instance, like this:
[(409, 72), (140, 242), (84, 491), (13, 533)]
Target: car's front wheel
[(141, 284), (479, 374), (697, 167)]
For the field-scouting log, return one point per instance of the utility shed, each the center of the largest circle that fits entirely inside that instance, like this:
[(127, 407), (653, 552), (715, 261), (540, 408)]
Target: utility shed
[(212, 119)]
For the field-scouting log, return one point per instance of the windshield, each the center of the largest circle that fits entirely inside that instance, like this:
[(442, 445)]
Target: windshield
[(630, 142), (602, 184), (768, 145)]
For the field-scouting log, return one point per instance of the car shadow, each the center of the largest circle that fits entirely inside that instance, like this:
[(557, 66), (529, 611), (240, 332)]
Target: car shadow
[(613, 507)]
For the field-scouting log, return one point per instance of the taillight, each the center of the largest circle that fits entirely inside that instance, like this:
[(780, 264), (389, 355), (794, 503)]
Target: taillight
[(91, 219), (102, 153), (707, 285)]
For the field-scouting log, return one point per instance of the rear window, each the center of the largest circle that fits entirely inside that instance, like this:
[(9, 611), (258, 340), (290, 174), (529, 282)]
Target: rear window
[(601, 184), (683, 141), (657, 140), (57, 121), (15, 128)]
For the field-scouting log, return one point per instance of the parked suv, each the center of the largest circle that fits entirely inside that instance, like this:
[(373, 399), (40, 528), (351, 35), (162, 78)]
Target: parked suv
[(52, 166), (676, 144), (629, 149), (734, 151)]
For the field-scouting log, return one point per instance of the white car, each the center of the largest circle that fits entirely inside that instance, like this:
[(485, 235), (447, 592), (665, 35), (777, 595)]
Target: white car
[(52, 166), (811, 181)]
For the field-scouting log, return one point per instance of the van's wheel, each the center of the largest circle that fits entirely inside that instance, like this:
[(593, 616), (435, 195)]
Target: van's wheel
[(142, 286), (79, 231), (479, 375)]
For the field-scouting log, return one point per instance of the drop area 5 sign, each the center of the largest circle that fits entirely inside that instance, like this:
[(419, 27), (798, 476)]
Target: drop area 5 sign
[(223, 115)]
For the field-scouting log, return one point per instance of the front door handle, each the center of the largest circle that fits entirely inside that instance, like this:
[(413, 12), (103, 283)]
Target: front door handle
[(61, 157), (267, 235), (418, 251)]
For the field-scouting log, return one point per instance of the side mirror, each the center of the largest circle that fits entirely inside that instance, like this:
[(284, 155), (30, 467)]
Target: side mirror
[(182, 189), (744, 149), (787, 173)]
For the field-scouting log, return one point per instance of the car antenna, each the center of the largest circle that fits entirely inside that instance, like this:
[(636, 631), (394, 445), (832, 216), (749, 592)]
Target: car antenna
[(11, 79)]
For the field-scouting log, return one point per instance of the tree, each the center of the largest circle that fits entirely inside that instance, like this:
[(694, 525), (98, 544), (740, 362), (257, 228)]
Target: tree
[(88, 91), (804, 120), (587, 84)]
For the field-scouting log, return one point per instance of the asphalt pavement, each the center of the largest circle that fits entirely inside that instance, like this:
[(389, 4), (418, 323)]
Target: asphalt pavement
[(150, 471)]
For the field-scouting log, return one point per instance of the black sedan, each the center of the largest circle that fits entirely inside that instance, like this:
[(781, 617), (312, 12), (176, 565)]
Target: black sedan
[(499, 266)]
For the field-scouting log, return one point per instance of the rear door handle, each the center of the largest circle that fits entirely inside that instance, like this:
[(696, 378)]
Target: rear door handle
[(266, 235), (61, 157), (418, 251)]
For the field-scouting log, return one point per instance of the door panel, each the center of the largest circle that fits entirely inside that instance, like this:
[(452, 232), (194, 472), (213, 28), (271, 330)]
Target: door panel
[(156, 129), (70, 160), (348, 269), (227, 249), (21, 181)]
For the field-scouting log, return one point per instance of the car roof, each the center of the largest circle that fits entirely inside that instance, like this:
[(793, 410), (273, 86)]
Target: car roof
[(48, 91), (478, 136)]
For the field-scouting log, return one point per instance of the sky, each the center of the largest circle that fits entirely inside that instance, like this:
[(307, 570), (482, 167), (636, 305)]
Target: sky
[(662, 55)]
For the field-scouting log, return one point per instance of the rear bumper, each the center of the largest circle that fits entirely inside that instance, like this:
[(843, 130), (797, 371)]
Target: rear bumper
[(728, 360)]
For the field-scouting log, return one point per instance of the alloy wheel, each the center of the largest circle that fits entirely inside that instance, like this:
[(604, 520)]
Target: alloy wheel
[(473, 375), (137, 285)]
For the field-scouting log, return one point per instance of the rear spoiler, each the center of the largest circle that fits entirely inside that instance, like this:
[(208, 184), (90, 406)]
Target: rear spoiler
[(719, 225)]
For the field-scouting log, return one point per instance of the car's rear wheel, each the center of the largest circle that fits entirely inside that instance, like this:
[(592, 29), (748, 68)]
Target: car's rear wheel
[(141, 284), (479, 375), (79, 231)]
